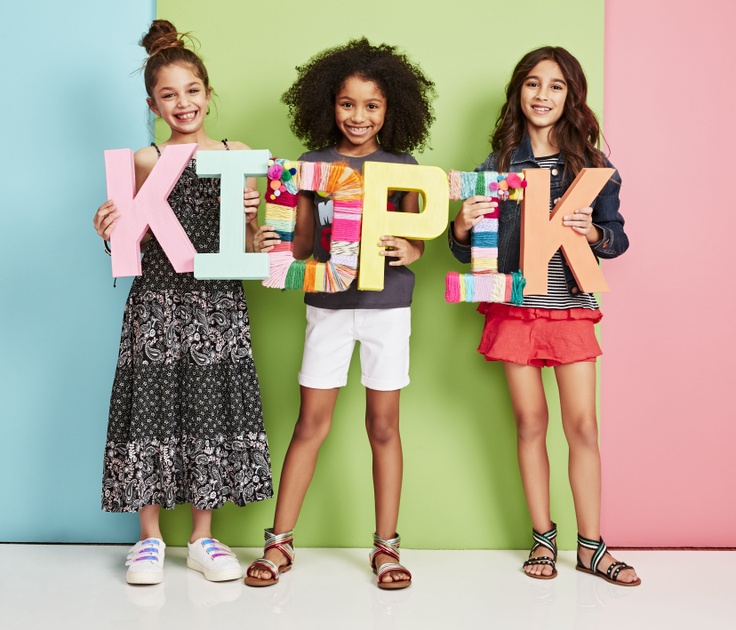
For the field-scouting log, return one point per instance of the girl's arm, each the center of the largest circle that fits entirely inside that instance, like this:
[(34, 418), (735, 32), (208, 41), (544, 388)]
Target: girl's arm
[(612, 240), (303, 245)]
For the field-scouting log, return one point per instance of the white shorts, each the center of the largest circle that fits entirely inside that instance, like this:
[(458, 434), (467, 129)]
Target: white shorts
[(383, 334)]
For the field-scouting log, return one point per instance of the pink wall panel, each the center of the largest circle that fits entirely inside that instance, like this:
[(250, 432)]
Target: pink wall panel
[(668, 423)]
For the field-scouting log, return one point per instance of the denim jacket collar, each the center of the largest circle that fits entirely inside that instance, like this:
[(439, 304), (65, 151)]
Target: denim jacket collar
[(523, 154)]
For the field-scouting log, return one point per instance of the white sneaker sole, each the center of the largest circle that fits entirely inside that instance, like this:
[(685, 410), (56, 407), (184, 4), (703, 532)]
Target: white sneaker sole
[(216, 575), (144, 577)]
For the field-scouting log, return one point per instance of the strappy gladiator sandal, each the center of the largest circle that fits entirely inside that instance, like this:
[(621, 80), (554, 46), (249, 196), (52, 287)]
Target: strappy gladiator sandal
[(390, 548), (546, 540), (285, 544), (599, 550)]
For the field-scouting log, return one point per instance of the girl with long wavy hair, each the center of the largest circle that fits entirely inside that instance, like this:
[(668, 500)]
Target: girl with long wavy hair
[(546, 123)]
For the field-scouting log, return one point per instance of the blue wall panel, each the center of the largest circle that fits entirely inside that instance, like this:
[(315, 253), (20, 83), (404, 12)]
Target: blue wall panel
[(69, 95)]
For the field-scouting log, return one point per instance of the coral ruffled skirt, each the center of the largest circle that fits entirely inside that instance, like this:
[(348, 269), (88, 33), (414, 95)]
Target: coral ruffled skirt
[(537, 336)]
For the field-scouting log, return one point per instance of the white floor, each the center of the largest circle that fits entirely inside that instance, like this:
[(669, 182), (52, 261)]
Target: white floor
[(80, 587)]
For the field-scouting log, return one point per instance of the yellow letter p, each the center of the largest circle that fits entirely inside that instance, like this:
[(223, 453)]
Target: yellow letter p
[(378, 179)]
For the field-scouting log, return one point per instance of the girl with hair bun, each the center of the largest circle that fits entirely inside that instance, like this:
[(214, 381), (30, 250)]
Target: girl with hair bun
[(546, 123), (185, 422)]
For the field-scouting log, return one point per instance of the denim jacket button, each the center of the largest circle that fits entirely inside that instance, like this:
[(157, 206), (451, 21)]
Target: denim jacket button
[(574, 290), (554, 172)]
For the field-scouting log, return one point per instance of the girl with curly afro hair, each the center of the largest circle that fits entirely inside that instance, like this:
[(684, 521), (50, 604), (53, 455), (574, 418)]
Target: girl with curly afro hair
[(352, 104), (311, 99)]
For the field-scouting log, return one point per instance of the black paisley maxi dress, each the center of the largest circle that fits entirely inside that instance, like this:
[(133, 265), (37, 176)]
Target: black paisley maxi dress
[(185, 422)]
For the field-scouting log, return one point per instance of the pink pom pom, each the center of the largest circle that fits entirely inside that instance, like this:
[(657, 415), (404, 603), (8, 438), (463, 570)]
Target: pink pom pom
[(524, 183), (514, 180), (274, 172), (493, 186)]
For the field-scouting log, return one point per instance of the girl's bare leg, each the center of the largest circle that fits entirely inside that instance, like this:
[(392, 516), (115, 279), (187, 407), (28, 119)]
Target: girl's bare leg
[(148, 517), (382, 425), (312, 427), (576, 382), (530, 412), (201, 524)]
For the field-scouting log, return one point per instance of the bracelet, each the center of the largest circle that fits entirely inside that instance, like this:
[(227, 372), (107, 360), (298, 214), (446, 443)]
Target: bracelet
[(106, 244)]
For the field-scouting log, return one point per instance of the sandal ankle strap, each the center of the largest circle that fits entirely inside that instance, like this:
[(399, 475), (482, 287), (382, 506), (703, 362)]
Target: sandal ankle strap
[(282, 542), (389, 547), (545, 540), (597, 546)]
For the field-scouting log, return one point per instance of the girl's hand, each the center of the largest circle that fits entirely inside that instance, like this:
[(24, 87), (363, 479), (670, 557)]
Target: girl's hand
[(104, 219), (265, 239), (404, 251), (473, 210), (582, 222), (251, 201)]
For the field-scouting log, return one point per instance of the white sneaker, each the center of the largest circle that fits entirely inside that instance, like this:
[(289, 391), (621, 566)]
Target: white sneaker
[(146, 562), (215, 560)]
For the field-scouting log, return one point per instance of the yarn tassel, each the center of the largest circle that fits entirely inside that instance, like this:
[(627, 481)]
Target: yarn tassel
[(518, 284), (295, 276)]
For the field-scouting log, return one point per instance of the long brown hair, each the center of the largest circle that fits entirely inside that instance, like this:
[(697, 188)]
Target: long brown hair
[(577, 132)]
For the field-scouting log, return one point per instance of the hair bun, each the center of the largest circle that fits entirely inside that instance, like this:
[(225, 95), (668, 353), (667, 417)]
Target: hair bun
[(161, 35)]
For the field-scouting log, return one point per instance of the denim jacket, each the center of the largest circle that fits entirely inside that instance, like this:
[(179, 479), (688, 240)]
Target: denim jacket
[(605, 216)]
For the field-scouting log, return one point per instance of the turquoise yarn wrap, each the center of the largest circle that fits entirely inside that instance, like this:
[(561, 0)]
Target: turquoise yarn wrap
[(518, 282)]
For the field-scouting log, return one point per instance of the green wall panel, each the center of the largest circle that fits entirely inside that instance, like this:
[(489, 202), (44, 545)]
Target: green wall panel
[(461, 482)]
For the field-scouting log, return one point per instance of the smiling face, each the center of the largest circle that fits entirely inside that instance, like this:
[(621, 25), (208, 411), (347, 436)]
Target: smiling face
[(360, 110), (543, 96), (180, 98)]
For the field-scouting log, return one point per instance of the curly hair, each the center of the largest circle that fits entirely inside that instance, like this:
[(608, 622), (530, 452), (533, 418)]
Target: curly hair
[(577, 132), (408, 93)]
